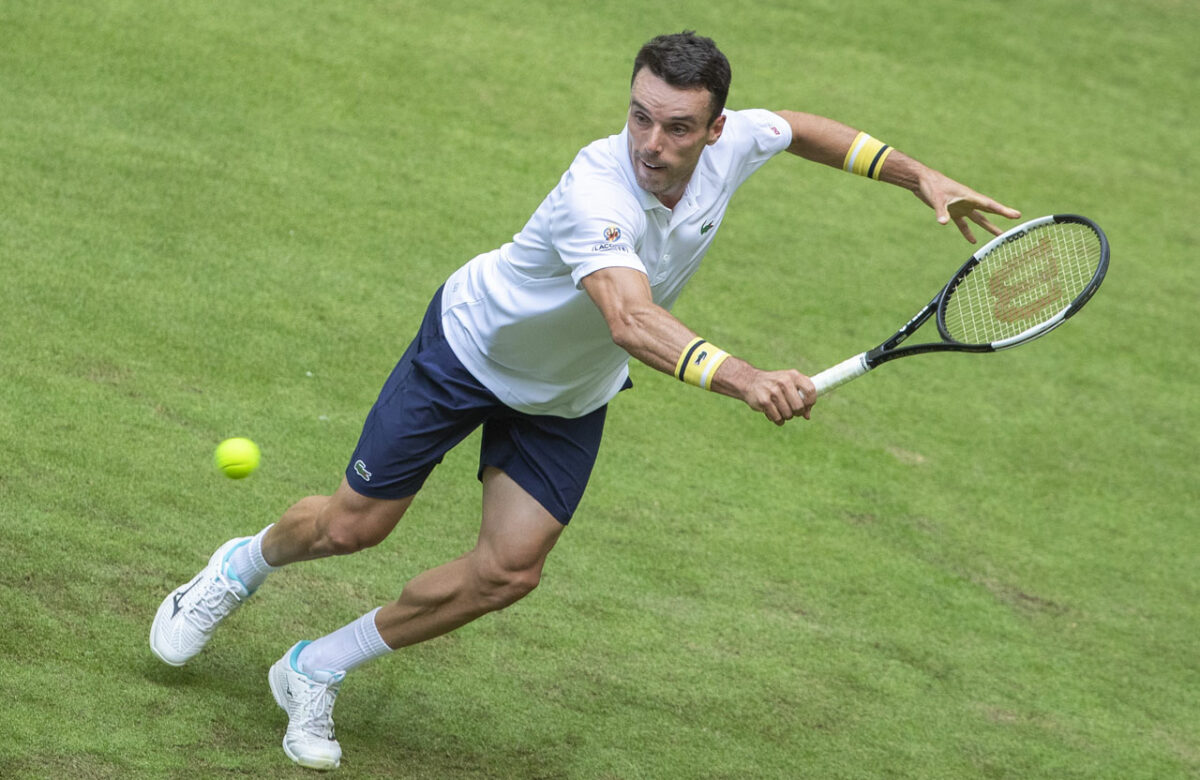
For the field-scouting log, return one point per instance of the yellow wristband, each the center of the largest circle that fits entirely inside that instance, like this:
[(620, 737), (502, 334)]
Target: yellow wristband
[(699, 362), (865, 156)]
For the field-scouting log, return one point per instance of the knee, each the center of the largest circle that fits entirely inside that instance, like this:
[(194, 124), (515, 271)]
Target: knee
[(344, 532), (343, 538), (500, 587), (349, 522)]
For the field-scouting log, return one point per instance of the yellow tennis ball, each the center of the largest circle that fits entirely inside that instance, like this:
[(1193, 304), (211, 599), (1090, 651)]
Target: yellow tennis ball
[(237, 457)]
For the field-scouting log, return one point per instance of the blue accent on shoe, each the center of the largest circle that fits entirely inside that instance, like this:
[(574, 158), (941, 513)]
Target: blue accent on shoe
[(294, 656), (229, 572)]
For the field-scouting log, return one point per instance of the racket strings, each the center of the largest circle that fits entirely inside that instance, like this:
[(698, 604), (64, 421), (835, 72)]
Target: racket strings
[(1023, 283)]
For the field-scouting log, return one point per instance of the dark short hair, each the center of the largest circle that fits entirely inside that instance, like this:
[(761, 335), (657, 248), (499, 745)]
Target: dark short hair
[(688, 61)]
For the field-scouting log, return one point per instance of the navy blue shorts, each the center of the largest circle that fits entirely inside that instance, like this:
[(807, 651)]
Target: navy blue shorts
[(431, 402)]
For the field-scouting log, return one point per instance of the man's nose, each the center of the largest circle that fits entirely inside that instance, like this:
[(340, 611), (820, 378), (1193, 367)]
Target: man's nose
[(654, 141)]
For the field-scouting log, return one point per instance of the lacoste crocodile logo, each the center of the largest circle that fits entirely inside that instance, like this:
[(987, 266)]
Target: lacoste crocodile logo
[(707, 226)]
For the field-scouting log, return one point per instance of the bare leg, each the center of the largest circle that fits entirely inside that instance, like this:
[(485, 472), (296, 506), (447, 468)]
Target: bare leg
[(319, 526), (515, 537), (312, 528)]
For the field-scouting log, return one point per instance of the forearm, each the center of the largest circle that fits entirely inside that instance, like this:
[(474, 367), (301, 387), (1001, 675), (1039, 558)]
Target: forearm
[(903, 171), (638, 325), (651, 334), (777, 394), (818, 138), (827, 141), (837, 145)]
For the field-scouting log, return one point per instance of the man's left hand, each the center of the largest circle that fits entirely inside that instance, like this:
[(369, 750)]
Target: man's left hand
[(951, 200)]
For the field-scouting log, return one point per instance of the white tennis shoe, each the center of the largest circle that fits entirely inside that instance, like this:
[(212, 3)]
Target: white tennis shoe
[(187, 618), (308, 702)]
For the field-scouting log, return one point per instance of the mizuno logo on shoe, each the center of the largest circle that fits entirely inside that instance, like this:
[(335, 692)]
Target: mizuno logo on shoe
[(180, 594)]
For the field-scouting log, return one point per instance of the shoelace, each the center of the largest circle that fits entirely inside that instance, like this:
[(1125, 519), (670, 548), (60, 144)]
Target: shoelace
[(216, 601), (316, 707)]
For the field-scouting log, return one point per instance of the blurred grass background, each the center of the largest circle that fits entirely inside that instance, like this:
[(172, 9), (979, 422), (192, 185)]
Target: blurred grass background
[(223, 219)]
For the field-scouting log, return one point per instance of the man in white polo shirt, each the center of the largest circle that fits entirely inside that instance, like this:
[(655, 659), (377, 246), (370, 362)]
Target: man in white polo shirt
[(522, 318), (530, 342)]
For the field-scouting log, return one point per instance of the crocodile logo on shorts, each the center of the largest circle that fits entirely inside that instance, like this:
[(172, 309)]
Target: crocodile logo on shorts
[(360, 468)]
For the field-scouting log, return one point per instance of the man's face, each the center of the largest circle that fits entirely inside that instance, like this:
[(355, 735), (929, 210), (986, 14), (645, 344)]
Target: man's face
[(668, 129)]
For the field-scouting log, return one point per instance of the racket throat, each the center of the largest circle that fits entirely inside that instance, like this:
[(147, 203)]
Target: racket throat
[(905, 331), (874, 357)]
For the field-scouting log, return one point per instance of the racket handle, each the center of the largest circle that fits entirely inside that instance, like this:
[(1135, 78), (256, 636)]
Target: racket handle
[(840, 374)]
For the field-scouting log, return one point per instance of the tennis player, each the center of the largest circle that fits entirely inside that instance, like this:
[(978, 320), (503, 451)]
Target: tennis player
[(531, 341)]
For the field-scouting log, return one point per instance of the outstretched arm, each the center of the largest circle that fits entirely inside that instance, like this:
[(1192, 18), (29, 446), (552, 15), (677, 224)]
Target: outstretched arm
[(654, 336), (827, 141)]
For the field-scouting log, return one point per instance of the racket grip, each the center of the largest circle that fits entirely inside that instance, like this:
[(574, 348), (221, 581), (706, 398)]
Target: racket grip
[(840, 374)]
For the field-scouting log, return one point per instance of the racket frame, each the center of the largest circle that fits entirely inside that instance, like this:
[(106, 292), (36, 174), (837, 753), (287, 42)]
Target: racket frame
[(890, 349)]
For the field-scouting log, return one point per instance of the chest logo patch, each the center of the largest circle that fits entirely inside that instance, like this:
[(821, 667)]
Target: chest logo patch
[(707, 226), (612, 233)]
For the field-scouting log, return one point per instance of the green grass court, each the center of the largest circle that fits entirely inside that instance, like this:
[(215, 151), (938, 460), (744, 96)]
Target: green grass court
[(222, 219)]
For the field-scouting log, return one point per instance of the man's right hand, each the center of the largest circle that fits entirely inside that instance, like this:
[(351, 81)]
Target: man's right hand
[(780, 395)]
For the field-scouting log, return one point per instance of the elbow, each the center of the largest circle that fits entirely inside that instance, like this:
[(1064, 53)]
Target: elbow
[(625, 334), (628, 331)]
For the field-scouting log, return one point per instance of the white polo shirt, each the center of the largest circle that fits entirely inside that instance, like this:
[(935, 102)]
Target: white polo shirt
[(518, 317)]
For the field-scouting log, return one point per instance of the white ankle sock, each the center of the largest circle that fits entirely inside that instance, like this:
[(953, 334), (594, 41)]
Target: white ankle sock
[(247, 562), (351, 645)]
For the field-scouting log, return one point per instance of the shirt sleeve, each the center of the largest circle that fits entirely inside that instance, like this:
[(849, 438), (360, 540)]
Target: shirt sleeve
[(597, 225), (757, 135), (770, 132)]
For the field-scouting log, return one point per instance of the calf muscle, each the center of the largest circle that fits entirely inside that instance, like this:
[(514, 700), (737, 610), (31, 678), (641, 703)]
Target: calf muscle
[(320, 526)]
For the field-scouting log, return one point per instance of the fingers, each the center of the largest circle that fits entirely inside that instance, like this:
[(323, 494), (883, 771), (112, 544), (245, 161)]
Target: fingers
[(783, 395), (941, 211), (965, 229), (956, 208), (986, 223), (779, 407), (952, 201), (809, 393), (979, 219), (1004, 211), (972, 207)]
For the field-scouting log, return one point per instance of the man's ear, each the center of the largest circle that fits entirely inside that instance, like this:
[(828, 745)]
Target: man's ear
[(715, 129)]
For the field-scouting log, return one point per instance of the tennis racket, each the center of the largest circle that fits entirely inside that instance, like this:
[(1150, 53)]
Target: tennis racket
[(1020, 285)]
